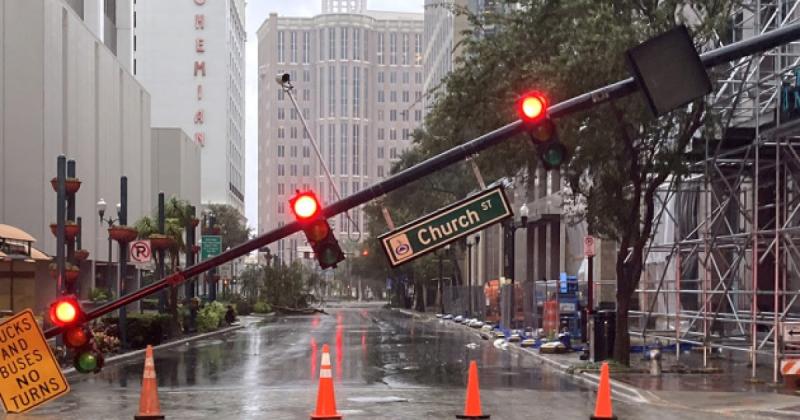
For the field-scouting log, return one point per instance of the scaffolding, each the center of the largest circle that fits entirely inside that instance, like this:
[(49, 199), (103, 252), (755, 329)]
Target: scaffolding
[(723, 267)]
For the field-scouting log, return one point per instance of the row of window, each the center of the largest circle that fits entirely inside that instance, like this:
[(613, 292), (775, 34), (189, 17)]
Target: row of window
[(405, 75), (293, 131), (293, 151), (406, 95), (353, 44)]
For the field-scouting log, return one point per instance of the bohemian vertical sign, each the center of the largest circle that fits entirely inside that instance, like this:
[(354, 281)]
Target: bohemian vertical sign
[(446, 225), (200, 73)]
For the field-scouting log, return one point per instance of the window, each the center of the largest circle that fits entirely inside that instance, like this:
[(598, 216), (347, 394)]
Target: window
[(320, 43), (404, 115), (331, 43), (281, 133), (293, 132), (380, 49), (418, 115), (418, 50), (306, 49), (393, 48), (306, 113), (405, 49), (280, 46), (293, 151), (381, 96), (343, 55), (393, 96), (332, 148), (343, 150), (281, 114), (280, 94), (293, 170), (331, 91), (406, 134), (356, 149), (281, 150), (393, 153), (393, 115), (306, 152), (380, 77), (306, 94), (418, 77), (418, 95), (293, 114), (393, 134), (380, 152), (321, 89), (281, 206), (406, 76), (306, 171), (381, 134), (406, 96), (380, 115), (380, 171), (293, 46), (306, 75), (281, 171), (345, 107), (280, 188), (393, 77), (356, 92), (356, 44)]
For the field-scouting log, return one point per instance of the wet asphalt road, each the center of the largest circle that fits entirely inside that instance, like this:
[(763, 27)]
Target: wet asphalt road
[(385, 366)]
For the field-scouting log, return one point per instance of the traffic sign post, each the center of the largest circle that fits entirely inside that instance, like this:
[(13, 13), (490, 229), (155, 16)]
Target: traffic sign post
[(211, 246), (438, 229), (32, 376), (588, 251)]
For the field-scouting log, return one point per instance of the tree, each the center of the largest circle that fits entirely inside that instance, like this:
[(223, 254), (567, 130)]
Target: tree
[(232, 225), (620, 154)]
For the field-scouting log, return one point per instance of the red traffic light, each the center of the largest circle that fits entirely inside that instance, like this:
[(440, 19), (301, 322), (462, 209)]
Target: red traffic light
[(305, 206), (77, 337), (532, 107), (65, 311)]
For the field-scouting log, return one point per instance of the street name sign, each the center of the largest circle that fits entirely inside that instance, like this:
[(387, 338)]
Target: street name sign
[(791, 332), (446, 225), (141, 253), (29, 373), (211, 246)]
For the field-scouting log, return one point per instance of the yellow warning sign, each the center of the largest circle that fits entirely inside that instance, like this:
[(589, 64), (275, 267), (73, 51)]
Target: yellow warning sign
[(29, 373)]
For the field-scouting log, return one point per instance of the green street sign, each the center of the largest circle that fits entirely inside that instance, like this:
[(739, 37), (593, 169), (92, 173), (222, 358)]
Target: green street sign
[(445, 225), (211, 246)]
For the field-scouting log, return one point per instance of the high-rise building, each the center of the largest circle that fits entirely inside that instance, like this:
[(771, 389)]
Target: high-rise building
[(111, 21), (357, 77), (189, 54)]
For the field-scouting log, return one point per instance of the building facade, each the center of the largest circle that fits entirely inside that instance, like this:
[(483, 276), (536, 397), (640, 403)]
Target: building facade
[(357, 76), (64, 92), (190, 55)]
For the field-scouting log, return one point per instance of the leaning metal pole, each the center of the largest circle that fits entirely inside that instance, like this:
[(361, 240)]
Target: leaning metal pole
[(454, 155)]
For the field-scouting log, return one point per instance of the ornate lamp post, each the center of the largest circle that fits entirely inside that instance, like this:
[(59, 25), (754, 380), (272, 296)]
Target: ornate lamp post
[(101, 211)]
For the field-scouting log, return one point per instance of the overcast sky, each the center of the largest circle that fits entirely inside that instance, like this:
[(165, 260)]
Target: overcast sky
[(257, 12)]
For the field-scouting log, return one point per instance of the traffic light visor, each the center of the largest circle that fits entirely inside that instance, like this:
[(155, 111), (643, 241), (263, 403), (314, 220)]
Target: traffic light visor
[(532, 107), (305, 206)]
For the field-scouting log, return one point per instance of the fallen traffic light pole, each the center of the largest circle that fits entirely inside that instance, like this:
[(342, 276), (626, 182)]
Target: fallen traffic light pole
[(587, 100)]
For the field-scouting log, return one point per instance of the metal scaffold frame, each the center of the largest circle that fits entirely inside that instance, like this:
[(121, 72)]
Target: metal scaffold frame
[(723, 267)]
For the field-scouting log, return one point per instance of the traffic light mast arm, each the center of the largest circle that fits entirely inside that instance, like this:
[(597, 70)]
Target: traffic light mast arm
[(587, 100)]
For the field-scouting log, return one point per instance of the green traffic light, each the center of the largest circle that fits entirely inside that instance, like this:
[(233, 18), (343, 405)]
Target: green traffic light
[(553, 155), (329, 256), (86, 362)]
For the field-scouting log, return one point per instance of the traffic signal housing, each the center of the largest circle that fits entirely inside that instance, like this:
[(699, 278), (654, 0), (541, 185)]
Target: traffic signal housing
[(308, 212), (532, 109), (66, 312)]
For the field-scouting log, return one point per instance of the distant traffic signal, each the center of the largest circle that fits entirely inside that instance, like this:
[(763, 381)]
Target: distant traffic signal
[(308, 212), (532, 108), (66, 313)]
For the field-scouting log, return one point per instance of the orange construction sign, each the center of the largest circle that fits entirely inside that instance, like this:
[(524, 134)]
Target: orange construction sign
[(29, 373)]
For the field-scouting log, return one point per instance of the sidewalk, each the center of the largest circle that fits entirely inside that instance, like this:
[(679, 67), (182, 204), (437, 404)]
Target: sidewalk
[(726, 391)]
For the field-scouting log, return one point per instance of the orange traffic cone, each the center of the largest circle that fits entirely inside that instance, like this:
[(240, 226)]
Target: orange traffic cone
[(602, 408), (149, 407), (326, 401), (472, 408)]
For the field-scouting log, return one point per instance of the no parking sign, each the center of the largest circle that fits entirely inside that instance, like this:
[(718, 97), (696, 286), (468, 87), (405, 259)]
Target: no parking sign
[(140, 252)]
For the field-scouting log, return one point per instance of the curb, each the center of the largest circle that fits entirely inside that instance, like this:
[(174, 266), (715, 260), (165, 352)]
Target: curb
[(70, 372), (619, 389)]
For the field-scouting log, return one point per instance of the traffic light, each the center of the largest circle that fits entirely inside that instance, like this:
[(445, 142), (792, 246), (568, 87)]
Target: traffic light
[(66, 313), (532, 109), (308, 213)]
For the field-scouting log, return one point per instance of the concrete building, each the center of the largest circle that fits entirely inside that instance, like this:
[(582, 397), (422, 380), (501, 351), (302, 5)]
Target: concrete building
[(190, 55), (63, 91), (111, 21), (176, 161), (357, 77)]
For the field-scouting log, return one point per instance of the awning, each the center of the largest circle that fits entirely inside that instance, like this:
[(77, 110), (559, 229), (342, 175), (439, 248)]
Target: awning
[(16, 234), (39, 255)]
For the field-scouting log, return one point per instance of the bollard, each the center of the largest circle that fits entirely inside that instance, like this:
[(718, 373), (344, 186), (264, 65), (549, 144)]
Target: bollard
[(655, 362)]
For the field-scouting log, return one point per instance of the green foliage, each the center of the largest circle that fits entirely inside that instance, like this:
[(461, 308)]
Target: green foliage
[(232, 225), (146, 226), (262, 308), (210, 316), (99, 295), (142, 329)]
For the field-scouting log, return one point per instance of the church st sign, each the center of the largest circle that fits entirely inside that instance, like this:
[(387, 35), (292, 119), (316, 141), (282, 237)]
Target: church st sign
[(438, 229)]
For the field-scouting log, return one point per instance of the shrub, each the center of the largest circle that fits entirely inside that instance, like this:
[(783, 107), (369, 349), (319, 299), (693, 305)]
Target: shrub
[(99, 295), (210, 316), (262, 308), (142, 329)]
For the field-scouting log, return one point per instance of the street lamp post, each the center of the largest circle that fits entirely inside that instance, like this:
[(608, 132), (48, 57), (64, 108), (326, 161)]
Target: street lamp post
[(101, 211), (510, 228)]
